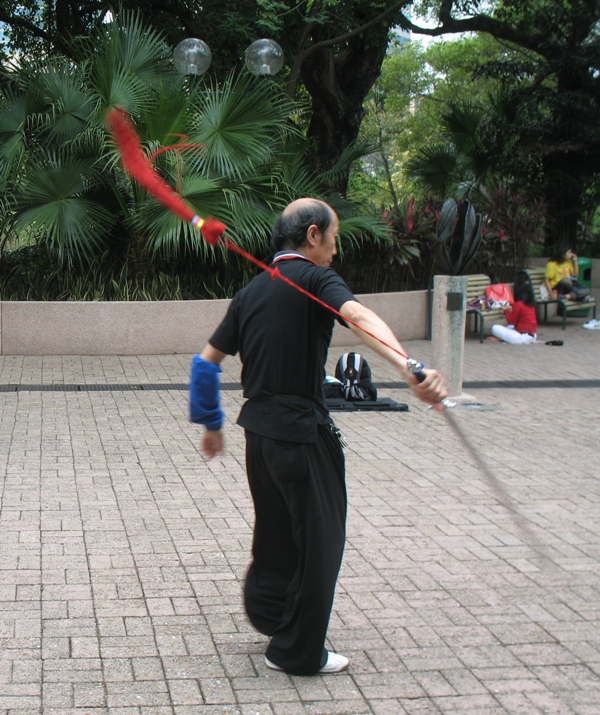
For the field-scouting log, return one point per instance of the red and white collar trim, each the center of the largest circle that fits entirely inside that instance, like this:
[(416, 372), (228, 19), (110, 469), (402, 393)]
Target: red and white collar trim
[(289, 255)]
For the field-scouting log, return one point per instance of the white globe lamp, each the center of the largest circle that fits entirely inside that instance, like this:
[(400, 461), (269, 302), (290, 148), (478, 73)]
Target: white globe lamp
[(192, 56), (264, 57)]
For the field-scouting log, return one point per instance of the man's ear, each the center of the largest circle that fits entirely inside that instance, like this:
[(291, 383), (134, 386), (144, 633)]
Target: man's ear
[(312, 235)]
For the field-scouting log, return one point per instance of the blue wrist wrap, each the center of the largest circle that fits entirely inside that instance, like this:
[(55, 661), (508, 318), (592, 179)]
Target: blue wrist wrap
[(205, 405)]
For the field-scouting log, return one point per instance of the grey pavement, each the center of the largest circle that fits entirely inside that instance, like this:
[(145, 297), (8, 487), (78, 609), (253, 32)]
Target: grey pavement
[(122, 552)]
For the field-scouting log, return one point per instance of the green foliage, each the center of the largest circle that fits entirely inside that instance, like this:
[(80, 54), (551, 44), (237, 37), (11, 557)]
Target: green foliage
[(229, 148), (514, 228), (464, 162), (31, 273), (404, 261), (52, 205), (240, 124), (546, 51), (436, 168), (405, 114)]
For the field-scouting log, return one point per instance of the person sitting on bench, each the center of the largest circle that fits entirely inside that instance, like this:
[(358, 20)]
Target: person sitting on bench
[(521, 319), (562, 271)]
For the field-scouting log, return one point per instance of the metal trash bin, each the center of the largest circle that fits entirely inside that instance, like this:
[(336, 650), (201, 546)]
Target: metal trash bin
[(585, 272), (585, 279)]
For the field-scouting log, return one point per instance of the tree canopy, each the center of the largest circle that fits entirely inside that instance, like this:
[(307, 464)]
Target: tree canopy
[(230, 148), (334, 51)]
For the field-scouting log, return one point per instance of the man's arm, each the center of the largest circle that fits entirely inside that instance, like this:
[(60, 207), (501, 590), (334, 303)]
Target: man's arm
[(211, 354), (432, 390), (212, 440)]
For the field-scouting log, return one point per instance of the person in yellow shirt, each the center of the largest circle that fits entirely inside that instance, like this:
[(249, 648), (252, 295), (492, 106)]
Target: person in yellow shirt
[(562, 271)]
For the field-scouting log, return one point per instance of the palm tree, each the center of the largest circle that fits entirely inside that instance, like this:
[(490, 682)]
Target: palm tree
[(461, 164), (229, 149)]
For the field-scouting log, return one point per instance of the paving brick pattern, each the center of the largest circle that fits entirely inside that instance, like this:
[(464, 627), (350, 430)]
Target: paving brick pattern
[(122, 552)]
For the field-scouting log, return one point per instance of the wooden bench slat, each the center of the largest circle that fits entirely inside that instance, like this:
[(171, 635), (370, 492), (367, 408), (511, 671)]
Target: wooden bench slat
[(476, 285)]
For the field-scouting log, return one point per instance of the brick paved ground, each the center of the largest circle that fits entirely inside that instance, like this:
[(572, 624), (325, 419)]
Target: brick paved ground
[(122, 552)]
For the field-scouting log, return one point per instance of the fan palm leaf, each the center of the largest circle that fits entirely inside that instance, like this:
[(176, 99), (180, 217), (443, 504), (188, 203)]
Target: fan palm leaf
[(357, 229), (167, 120), (168, 235), (434, 167), (118, 87), (125, 63), (16, 110), (353, 152), (462, 125), (357, 225), (68, 105), (130, 44), (292, 178), (240, 124), (53, 203), (252, 207)]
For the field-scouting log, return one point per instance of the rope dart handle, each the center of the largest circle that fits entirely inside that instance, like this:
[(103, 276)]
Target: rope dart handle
[(416, 368)]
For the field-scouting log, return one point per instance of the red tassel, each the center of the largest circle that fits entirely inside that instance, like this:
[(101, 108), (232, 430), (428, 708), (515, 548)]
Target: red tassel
[(139, 167), (212, 230)]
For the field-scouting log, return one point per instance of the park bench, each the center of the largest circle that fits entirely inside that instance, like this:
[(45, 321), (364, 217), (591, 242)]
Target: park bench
[(476, 285), (476, 317), (537, 278)]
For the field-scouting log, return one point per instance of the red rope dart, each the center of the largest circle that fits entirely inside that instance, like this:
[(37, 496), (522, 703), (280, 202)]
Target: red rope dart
[(140, 168)]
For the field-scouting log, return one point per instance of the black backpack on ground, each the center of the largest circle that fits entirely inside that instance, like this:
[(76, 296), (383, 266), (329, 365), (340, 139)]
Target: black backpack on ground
[(353, 371)]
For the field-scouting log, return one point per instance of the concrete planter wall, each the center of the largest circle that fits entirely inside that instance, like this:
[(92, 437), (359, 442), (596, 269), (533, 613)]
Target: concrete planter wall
[(166, 328), (160, 328)]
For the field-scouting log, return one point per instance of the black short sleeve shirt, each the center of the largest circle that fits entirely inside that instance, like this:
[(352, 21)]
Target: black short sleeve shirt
[(283, 336)]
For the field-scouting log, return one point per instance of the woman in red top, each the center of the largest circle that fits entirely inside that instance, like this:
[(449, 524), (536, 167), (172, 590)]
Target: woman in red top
[(521, 319)]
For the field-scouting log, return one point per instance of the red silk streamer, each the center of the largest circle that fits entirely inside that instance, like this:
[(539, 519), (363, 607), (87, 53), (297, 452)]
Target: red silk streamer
[(141, 169)]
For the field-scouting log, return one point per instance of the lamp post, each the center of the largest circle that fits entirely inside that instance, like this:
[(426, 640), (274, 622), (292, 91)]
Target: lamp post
[(193, 57)]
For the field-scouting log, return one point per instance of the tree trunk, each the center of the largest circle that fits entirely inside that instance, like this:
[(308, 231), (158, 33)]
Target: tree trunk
[(571, 153), (564, 194), (338, 85), (69, 24)]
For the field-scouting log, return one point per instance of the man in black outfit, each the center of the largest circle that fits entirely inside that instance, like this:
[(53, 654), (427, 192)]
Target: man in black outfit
[(294, 458)]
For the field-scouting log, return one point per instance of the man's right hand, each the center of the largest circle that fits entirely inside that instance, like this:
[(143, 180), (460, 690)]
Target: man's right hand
[(212, 443)]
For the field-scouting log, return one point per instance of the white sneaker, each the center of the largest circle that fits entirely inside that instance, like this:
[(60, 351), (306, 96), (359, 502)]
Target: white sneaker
[(335, 663), (592, 324), (271, 665)]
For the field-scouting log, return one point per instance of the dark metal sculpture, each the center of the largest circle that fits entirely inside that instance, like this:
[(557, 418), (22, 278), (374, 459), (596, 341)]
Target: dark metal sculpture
[(458, 235)]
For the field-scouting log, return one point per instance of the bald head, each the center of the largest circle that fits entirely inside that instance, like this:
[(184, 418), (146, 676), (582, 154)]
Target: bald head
[(305, 204), (290, 231)]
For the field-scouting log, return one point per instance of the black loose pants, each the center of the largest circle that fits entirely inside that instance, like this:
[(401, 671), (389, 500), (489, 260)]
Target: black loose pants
[(299, 494)]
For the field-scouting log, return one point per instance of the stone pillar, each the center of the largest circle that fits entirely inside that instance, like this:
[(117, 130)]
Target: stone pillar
[(448, 329)]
